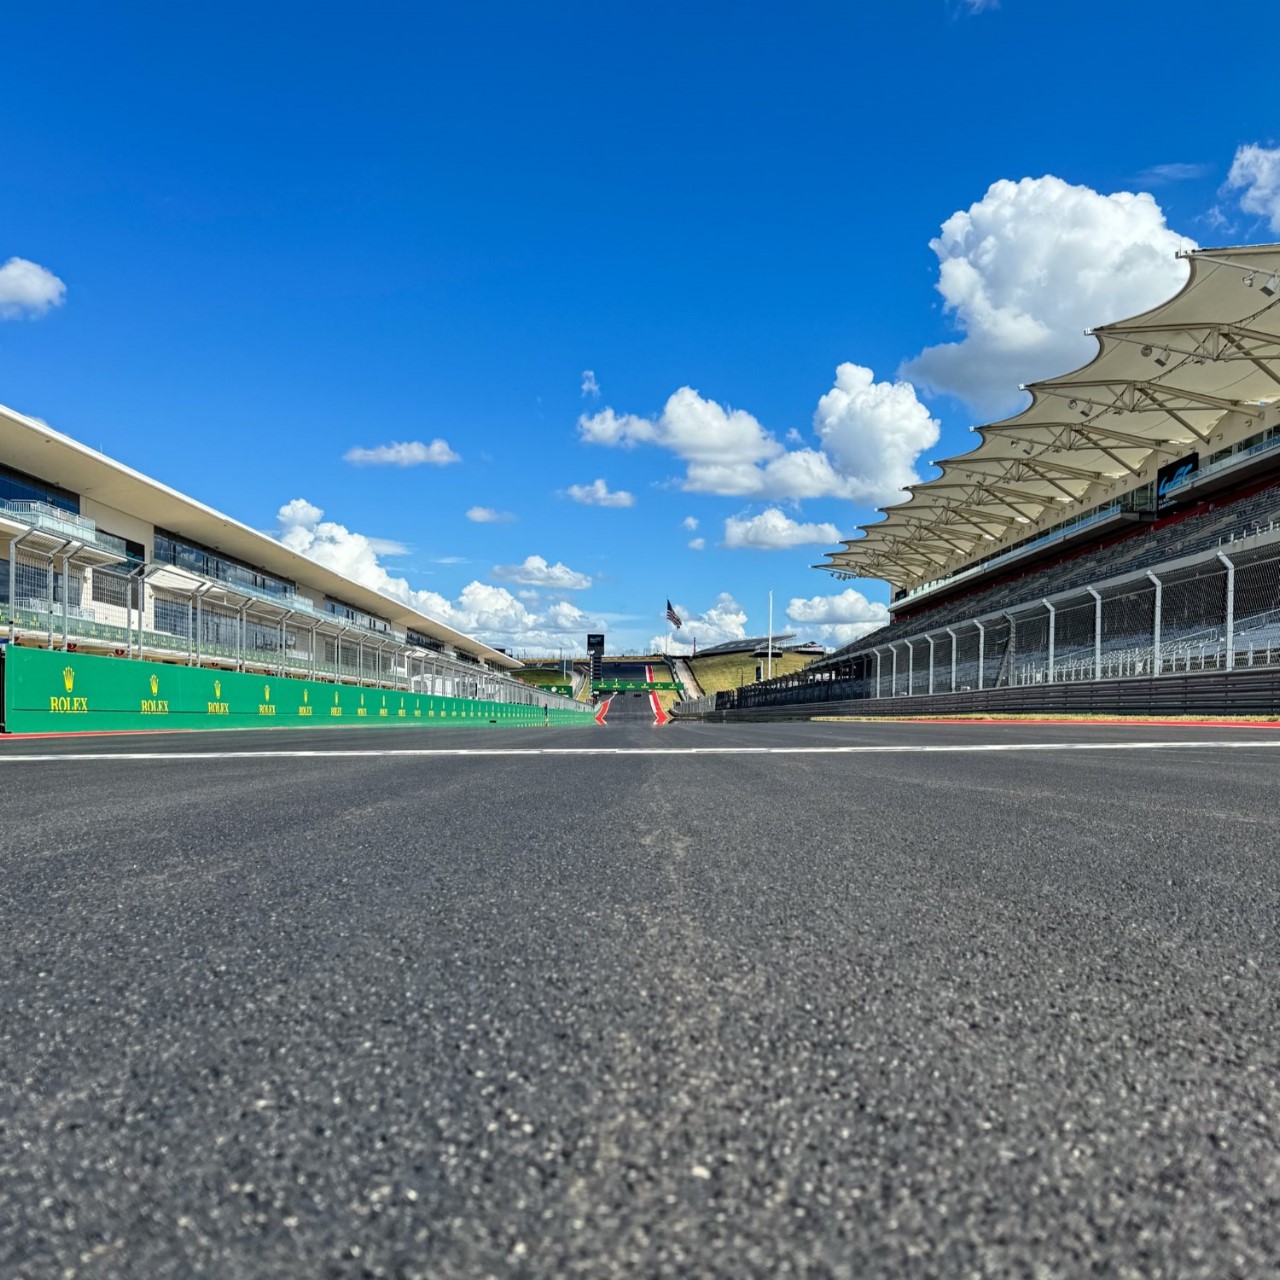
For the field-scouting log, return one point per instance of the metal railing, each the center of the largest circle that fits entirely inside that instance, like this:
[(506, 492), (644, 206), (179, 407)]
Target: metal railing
[(1218, 610), (204, 628)]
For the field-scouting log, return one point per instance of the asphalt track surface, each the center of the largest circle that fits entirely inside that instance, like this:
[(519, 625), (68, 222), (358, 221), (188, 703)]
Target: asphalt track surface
[(766, 1000)]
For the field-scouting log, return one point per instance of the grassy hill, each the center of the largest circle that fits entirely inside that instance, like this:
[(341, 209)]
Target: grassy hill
[(731, 670)]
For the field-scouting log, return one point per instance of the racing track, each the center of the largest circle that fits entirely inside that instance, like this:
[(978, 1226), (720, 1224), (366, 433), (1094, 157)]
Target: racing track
[(827, 1000)]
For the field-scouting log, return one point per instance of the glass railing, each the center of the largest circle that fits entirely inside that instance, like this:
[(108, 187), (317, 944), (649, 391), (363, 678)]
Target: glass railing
[(66, 524), (1224, 464)]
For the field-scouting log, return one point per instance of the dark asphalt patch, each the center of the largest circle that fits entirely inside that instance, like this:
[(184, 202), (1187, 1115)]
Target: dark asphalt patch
[(929, 1015)]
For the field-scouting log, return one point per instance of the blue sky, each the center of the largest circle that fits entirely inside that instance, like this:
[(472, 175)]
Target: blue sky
[(252, 239)]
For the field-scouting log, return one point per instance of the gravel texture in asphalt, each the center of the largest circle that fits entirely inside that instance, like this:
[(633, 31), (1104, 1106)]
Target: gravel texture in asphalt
[(893, 1013)]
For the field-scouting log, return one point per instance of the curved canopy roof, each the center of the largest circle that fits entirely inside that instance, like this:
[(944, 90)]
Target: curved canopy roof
[(1158, 386)]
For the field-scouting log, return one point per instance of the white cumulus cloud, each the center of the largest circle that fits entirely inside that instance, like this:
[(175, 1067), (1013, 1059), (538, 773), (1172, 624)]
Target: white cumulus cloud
[(690, 523), (772, 529), (1255, 173), (411, 453), (870, 434), (873, 432), (841, 618), (590, 387), (487, 612), (598, 494), (536, 572), (697, 544), (28, 289), (1026, 269), (487, 515)]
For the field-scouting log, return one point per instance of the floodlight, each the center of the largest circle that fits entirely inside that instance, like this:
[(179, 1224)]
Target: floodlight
[(1248, 280), (1146, 351), (1163, 358), (1271, 286)]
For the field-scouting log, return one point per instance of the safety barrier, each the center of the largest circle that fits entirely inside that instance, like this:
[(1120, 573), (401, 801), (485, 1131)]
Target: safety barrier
[(56, 692)]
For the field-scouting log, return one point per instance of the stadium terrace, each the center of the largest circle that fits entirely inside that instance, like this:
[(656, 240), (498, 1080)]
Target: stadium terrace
[(1124, 526)]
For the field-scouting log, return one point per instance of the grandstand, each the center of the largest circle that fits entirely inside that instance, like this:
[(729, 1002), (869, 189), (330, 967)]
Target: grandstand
[(1125, 525), (99, 560)]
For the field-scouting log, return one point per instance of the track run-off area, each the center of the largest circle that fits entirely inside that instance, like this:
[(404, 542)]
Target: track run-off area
[(718, 1000)]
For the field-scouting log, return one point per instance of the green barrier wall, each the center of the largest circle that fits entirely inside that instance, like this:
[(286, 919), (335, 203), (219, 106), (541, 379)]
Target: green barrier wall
[(48, 692)]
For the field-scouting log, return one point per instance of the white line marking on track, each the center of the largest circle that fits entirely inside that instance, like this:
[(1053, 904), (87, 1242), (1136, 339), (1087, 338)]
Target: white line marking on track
[(429, 752)]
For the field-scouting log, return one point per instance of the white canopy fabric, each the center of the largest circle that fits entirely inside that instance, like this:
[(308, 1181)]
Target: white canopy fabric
[(1158, 387)]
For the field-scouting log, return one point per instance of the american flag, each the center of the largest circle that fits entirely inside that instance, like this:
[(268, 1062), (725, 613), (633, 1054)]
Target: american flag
[(673, 617)]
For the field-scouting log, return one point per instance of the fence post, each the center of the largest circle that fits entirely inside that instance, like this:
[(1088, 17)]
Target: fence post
[(13, 589), (1053, 619), (1157, 665), (893, 688), (930, 640), (1231, 611), (982, 653), (66, 596), (952, 634), (199, 616), (49, 602), (142, 609), (1097, 632), (911, 667)]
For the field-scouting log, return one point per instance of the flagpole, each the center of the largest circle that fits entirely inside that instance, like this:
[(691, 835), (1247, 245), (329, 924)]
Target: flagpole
[(770, 635)]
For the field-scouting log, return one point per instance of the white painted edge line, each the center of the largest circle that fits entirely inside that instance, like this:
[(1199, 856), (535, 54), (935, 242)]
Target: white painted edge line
[(446, 752)]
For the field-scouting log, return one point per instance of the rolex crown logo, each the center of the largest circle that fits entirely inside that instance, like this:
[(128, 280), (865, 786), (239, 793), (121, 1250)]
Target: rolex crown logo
[(305, 698), (217, 689), (362, 699), (335, 697), (68, 678), (155, 685), (266, 693)]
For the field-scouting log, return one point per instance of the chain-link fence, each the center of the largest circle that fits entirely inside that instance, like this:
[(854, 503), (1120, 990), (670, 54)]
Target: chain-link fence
[(1217, 611)]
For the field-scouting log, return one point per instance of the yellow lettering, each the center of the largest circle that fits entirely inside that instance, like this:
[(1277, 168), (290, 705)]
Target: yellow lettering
[(266, 709), (335, 711), (69, 706), (382, 711), (362, 711), (304, 711), (219, 708), (155, 707)]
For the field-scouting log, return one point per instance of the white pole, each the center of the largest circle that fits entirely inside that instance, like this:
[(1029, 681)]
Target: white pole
[(770, 635)]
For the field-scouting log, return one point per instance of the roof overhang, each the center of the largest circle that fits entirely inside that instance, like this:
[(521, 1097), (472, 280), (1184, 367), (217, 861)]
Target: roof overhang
[(1159, 386), (34, 447)]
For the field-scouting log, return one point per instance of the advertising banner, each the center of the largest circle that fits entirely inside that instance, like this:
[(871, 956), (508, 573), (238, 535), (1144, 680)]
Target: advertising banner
[(1172, 476), (53, 692)]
